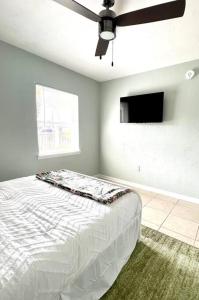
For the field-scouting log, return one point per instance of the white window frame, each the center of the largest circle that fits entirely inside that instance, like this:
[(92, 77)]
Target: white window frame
[(58, 154)]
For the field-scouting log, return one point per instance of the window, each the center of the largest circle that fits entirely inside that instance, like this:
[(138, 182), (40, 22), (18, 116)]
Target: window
[(57, 122)]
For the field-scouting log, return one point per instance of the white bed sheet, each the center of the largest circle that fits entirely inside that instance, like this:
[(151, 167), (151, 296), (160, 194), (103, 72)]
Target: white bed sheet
[(56, 245)]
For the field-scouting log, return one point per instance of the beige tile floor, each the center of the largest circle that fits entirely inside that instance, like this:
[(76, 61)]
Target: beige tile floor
[(176, 218)]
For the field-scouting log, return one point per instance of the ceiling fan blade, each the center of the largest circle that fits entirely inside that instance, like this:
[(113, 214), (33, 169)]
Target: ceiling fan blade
[(80, 9), (102, 47), (165, 11)]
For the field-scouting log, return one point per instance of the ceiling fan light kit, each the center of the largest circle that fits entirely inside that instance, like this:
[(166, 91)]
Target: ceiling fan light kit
[(107, 25), (108, 21)]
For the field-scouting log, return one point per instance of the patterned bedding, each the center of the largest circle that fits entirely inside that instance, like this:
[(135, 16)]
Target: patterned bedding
[(48, 237), (84, 186)]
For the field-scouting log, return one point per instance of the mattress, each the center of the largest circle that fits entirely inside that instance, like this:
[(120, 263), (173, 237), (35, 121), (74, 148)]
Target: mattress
[(57, 245)]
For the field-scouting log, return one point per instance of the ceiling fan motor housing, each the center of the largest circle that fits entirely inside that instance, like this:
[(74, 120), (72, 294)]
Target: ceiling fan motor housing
[(108, 3), (107, 25)]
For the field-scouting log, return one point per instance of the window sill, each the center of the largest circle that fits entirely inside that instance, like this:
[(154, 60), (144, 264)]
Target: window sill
[(54, 155)]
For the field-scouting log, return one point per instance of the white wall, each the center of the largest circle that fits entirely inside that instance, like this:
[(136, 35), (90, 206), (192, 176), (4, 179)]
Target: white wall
[(167, 153), (19, 72)]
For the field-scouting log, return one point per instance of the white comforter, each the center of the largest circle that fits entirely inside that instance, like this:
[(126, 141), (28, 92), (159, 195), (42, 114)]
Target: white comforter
[(49, 236)]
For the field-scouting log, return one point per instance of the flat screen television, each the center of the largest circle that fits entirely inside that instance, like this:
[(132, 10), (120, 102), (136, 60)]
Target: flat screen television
[(147, 108)]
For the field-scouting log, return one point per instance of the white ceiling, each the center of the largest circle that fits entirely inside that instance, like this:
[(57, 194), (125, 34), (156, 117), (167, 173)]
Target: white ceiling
[(51, 31)]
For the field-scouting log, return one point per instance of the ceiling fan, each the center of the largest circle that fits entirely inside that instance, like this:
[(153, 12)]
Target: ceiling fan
[(108, 20)]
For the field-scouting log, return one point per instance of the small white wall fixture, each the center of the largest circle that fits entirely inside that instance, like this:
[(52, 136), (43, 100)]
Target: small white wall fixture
[(189, 74)]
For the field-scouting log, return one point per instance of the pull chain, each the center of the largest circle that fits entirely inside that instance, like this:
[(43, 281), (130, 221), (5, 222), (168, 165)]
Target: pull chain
[(112, 64)]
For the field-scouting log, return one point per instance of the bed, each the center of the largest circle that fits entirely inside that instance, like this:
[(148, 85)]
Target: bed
[(56, 245)]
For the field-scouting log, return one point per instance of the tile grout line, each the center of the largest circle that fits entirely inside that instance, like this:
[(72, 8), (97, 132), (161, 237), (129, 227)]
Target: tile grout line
[(169, 214), (151, 198), (192, 240), (175, 231), (155, 196), (181, 235), (159, 226)]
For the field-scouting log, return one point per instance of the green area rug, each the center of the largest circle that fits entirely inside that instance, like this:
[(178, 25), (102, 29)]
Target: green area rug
[(160, 268)]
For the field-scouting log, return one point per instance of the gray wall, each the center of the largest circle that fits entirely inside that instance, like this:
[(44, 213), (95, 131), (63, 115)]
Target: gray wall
[(19, 72), (167, 153)]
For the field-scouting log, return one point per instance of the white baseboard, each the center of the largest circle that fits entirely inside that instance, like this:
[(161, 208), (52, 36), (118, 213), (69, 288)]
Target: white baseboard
[(148, 188)]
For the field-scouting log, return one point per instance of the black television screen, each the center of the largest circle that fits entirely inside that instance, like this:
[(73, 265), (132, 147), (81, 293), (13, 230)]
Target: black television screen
[(147, 108)]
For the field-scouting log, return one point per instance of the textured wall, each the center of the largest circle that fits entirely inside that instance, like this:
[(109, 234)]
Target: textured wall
[(19, 72), (165, 155)]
